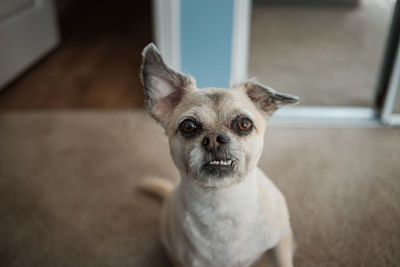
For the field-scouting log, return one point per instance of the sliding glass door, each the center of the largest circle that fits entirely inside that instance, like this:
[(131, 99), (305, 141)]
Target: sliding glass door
[(330, 53)]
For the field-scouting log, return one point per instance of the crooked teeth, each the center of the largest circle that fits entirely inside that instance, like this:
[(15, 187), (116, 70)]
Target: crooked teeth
[(221, 162)]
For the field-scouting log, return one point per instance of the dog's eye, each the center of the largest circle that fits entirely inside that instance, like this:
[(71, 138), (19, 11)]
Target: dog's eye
[(242, 125), (189, 127)]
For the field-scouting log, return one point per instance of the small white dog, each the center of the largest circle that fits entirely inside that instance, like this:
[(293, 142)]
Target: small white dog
[(224, 211)]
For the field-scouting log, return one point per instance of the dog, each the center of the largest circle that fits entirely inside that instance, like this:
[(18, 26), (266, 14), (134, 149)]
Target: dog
[(223, 211)]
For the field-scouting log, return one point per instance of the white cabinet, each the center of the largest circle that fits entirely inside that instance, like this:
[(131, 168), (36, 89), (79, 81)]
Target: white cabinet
[(28, 30)]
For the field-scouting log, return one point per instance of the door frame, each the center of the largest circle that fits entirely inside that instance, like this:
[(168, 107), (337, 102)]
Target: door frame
[(389, 80)]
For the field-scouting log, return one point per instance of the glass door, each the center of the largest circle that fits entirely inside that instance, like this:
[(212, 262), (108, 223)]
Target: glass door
[(329, 53)]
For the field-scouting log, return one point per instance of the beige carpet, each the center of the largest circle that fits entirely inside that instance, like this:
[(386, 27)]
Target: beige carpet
[(68, 195), (326, 55)]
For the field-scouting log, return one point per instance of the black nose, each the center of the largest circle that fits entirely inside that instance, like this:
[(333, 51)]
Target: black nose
[(212, 141)]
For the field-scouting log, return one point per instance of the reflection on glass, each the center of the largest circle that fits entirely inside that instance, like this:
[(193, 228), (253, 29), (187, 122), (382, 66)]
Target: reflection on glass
[(328, 55)]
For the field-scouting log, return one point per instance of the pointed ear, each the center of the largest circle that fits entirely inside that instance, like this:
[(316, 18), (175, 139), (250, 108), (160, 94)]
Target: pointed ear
[(267, 99), (163, 87)]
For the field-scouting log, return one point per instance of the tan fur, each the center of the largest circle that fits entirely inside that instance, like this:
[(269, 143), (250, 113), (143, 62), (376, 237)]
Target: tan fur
[(284, 251), (228, 216), (158, 187)]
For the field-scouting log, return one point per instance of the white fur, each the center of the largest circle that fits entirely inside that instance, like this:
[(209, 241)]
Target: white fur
[(196, 157), (230, 226)]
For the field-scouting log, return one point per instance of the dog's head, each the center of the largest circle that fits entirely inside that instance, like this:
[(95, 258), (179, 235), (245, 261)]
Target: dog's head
[(215, 135)]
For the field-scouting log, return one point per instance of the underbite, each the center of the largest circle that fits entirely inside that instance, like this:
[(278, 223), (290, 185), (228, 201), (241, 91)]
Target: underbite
[(221, 162), (221, 168)]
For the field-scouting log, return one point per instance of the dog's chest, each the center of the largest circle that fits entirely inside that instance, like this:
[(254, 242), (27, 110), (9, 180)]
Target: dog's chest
[(228, 233)]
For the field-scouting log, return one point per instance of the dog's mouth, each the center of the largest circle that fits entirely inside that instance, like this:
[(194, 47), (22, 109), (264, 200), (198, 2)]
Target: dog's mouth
[(217, 167), (218, 161)]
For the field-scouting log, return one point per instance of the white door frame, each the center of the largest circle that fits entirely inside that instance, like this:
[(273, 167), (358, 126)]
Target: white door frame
[(241, 40), (388, 116), (166, 29)]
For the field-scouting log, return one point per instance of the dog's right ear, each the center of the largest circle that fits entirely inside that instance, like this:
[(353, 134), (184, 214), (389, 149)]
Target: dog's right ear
[(163, 87)]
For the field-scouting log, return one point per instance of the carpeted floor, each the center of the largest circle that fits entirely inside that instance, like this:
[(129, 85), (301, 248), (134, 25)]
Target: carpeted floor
[(68, 195), (328, 55)]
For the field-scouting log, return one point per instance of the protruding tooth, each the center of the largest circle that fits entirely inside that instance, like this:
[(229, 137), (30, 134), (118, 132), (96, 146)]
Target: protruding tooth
[(221, 162)]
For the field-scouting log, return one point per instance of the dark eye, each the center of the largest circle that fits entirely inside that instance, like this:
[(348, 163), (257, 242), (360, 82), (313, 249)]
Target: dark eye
[(242, 126), (189, 127)]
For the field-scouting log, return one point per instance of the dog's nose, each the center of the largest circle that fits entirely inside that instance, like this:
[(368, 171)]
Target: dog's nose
[(212, 141)]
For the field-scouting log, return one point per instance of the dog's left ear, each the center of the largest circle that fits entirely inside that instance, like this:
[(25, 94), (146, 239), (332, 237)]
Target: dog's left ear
[(163, 86), (267, 99)]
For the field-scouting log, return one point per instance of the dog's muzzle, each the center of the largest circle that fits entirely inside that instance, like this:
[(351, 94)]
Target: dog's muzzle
[(218, 162)]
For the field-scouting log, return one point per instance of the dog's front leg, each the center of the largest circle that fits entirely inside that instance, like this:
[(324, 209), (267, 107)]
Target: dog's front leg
[(282, 254)]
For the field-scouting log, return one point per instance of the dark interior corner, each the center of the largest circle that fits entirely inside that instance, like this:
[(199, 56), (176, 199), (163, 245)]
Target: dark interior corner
[(96, 64)]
